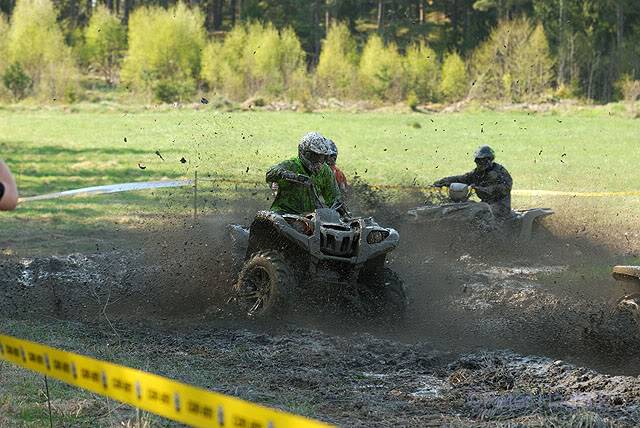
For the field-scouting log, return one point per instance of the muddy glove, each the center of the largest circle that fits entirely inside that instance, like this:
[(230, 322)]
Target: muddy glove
[(440, 183), (296, 178)]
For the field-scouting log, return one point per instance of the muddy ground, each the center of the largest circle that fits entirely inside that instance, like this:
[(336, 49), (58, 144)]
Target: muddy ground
[(496, 334)]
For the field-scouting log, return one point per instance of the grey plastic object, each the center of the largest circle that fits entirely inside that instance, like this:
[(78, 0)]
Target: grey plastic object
[(458, 192)]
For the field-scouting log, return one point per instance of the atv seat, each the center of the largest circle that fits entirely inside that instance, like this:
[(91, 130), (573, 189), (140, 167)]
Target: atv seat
[(527, 218)]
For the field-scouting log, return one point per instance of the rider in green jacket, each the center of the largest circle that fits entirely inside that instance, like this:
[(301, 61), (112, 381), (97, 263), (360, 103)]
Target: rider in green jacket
[(294, 177)]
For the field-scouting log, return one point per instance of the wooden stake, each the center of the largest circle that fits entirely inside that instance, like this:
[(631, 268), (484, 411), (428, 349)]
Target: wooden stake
[(195, 196)]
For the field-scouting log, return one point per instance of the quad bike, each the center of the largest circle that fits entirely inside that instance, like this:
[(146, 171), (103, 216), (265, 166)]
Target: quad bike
[(458, 208), (328, 249), (616, 328), (630, 275)]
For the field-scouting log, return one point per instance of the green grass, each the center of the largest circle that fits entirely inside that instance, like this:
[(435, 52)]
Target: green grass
[(53, 150)]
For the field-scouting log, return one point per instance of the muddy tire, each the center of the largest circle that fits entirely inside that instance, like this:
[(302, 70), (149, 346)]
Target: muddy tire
[(616, 330), (265, 286), (386, 297)]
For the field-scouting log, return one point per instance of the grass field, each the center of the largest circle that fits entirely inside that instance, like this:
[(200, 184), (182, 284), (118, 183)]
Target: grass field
[(55, 150)]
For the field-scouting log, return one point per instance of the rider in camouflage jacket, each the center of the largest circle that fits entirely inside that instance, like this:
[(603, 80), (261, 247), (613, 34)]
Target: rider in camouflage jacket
[(294, 177)]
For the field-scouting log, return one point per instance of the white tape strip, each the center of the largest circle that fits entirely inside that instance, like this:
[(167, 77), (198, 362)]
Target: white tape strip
[(109, 188)]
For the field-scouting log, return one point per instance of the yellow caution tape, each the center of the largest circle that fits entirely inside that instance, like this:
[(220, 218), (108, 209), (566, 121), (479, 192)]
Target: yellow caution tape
[(165, 397)]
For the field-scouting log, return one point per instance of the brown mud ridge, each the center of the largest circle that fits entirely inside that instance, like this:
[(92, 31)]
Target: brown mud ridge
[(469, 300)]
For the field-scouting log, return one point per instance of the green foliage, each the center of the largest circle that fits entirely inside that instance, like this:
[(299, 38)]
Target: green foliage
[(36, 42), (629, 89), (454, 84), (223, 66), (422, 72), (256, 59), (164, 46), (412, 101), (170, 91), (514, 64), (380, 72), (336, 71), (271, 59), (106, 42), (16, 80), (4, 48)]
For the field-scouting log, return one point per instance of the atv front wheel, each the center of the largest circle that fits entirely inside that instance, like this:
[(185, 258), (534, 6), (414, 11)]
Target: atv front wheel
[(265, 286), (385, 296)]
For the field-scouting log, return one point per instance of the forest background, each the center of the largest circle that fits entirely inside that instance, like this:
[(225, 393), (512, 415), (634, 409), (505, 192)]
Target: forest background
[(386, 51)]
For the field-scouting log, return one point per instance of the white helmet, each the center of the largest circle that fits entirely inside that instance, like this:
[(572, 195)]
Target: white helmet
[(312, 151)]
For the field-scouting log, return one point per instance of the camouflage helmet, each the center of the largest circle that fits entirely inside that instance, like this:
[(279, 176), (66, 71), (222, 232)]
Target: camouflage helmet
[(332, 148), (333, 156), (484, 152), (312, 151)]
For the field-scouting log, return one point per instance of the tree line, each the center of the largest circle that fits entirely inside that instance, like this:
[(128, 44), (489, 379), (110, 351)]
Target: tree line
[(389, 50)]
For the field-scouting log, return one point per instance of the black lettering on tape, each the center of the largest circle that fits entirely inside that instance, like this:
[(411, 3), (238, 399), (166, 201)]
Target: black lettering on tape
[(103, 376), (239, 422), (61, 366), (22, 354), (74, 372), (90, 375), (207, 412), (199, 409)]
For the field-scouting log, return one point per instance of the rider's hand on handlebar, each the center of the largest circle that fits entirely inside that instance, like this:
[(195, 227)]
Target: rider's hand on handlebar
[(439, 183), (296, 178), (303, 179)]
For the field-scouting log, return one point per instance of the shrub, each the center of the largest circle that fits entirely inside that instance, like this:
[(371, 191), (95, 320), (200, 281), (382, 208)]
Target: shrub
[(222, 64), (293, 63), (412, 101), (4, 48), (454, 84), (36, 42), (16, 80), (628, 88), (255, 59), (380, 72), (106, 43), (271, 59), (169, 90), (337, 64), (513, 64), (164, 46), (422, 72)]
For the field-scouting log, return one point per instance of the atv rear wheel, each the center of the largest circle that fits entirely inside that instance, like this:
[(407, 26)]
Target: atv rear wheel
[(265, 286), (385, 296)]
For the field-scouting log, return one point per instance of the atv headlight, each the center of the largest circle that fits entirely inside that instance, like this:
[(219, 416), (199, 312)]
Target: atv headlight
[(377, 236)]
